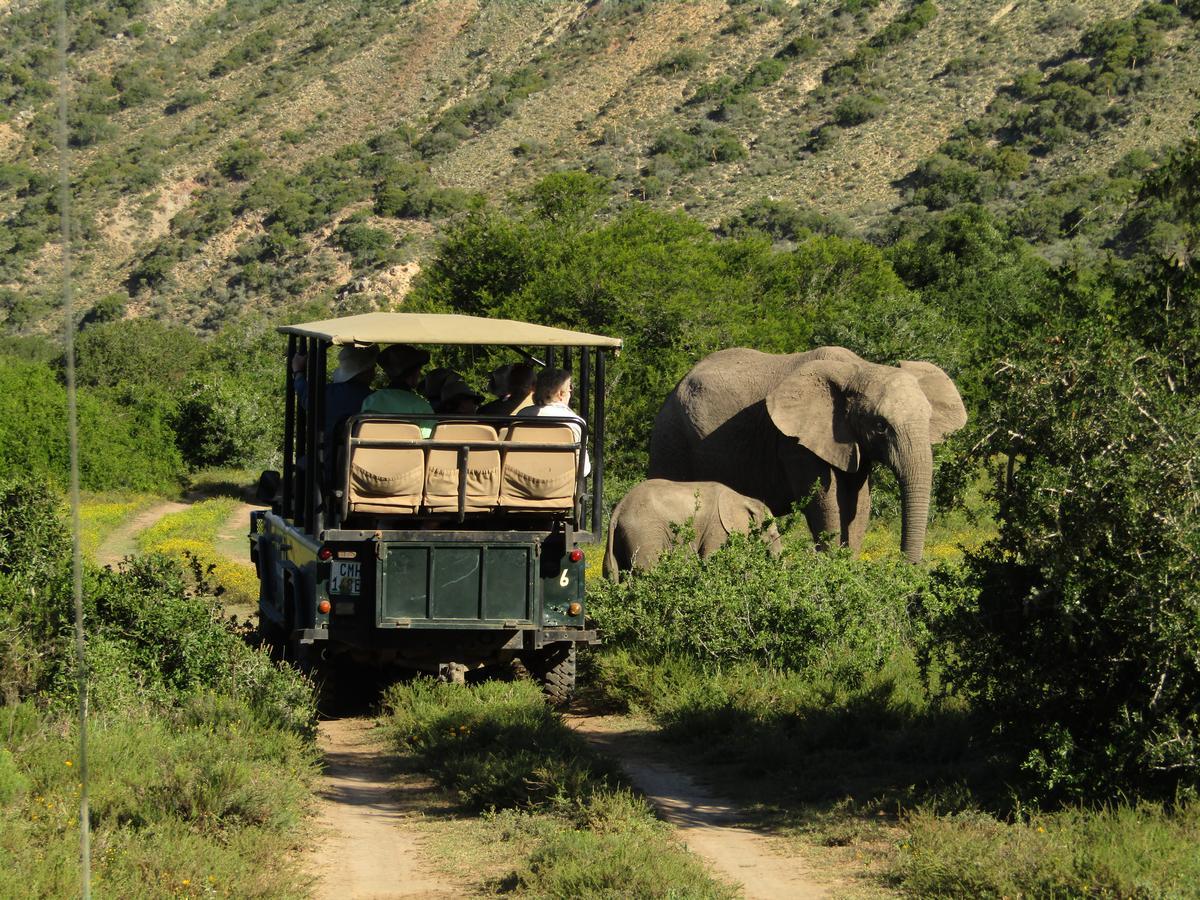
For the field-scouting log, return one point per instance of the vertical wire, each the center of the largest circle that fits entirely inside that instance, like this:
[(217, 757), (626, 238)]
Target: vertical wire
[(64, 203)]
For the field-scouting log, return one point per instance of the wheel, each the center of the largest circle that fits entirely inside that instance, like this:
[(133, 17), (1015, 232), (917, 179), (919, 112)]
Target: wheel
[(553, 667)]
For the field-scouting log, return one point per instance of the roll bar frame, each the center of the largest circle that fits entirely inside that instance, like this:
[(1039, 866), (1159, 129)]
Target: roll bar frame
[(303, 502)]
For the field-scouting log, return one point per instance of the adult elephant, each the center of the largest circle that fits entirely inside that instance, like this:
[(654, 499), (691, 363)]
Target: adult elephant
[(640, 527), (787, 428)]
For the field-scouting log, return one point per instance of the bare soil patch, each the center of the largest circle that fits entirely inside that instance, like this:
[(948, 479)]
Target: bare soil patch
[(763, 865)]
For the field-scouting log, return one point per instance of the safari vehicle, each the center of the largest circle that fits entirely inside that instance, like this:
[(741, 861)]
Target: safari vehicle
[(449, 553)]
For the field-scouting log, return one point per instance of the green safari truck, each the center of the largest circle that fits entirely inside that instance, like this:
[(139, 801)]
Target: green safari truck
[(447, 543)]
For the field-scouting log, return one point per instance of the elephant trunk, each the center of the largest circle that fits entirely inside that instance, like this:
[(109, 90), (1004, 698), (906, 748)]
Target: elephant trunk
[(912, 461)]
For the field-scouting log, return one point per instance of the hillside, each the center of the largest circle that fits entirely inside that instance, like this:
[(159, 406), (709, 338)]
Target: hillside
[(254, 152)]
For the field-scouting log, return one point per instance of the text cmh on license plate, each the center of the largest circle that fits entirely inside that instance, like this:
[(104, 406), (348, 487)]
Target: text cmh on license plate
[(345, 578)]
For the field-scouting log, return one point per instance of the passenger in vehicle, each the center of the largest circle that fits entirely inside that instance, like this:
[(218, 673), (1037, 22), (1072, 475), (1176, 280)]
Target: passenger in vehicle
[(344, 396), (351, 381), (553, 397), (520, 393), (431, 385), (402, 364), (459, 398), (497, 387)]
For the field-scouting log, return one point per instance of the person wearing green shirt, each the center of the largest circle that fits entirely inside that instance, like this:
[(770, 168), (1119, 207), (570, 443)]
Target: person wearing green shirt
[(402, 364)]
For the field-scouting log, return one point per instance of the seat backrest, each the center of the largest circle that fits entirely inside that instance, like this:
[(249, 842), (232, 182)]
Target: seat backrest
[(386, 479), (483, 469), (539, 479)]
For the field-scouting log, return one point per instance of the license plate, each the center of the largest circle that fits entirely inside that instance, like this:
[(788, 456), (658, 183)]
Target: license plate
[(345, 578)]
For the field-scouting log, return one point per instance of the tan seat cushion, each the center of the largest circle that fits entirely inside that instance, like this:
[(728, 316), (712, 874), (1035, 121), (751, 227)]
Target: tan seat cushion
[(483, 470), (538, 479), (386, 478)]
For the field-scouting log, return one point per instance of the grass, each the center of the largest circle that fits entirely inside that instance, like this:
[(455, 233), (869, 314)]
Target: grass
[(196, 531), (101, 515), (1134, 850), (190, 806), (557, 820)]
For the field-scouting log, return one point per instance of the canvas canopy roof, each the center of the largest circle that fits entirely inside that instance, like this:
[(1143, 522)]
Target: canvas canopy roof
[(441, 328)]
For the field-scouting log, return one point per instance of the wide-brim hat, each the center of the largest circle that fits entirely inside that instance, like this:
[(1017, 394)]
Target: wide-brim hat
[(456, 387), (400, 358), (353, 361)]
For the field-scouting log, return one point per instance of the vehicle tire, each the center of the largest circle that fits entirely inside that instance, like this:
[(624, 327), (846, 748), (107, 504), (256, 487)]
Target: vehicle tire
[(553, 667)]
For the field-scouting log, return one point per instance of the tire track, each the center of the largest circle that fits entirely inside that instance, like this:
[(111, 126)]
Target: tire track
[(763, 866)]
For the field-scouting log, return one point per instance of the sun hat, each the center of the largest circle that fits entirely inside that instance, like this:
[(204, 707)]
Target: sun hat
[(353, 361), (455, 387), (398, 359)]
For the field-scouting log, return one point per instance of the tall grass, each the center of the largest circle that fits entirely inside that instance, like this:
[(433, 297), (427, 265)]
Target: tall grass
[(205, 802)]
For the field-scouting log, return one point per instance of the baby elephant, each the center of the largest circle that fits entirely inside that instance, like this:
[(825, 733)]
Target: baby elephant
[(640, 528)]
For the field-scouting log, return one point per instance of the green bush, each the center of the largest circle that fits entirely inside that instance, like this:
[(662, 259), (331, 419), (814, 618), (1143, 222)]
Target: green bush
[(806, 610), (856, 109), (684, 60), (239, 160), (225, 420), (156, 637), (368, 247), (121, 446), (1079, 634)]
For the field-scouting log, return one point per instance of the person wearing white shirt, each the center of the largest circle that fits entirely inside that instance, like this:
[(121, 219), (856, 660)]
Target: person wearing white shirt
[(552, 397)]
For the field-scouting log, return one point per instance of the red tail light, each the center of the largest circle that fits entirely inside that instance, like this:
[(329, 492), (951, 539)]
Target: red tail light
[(324, 553), (575, 555)]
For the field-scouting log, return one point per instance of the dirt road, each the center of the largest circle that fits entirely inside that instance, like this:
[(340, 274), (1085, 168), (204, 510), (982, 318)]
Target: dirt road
[(763, 866), (123, 541), (368, 849)]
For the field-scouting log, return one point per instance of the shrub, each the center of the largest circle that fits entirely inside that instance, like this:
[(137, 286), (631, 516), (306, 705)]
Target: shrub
[(368, 247), (684, 60), (239, 160), (223, 420), (764, 72), (856, 109), (120, 445), (1079, 637), (805, 610), (155, 635)]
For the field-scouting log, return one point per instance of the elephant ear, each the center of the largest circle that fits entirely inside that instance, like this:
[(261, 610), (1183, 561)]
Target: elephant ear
[(734, 511), (810, 405), (948, 413)]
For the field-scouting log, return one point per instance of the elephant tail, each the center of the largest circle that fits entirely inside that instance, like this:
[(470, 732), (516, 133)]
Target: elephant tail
[(611, 571)]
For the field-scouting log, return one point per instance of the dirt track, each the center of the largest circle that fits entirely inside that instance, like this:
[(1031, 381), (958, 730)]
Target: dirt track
[(714, 829), (366, 850), (123, 541)]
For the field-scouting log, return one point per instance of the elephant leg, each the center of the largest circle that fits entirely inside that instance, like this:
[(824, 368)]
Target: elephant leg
[(841, 507), (854, 494), (822, 513)]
